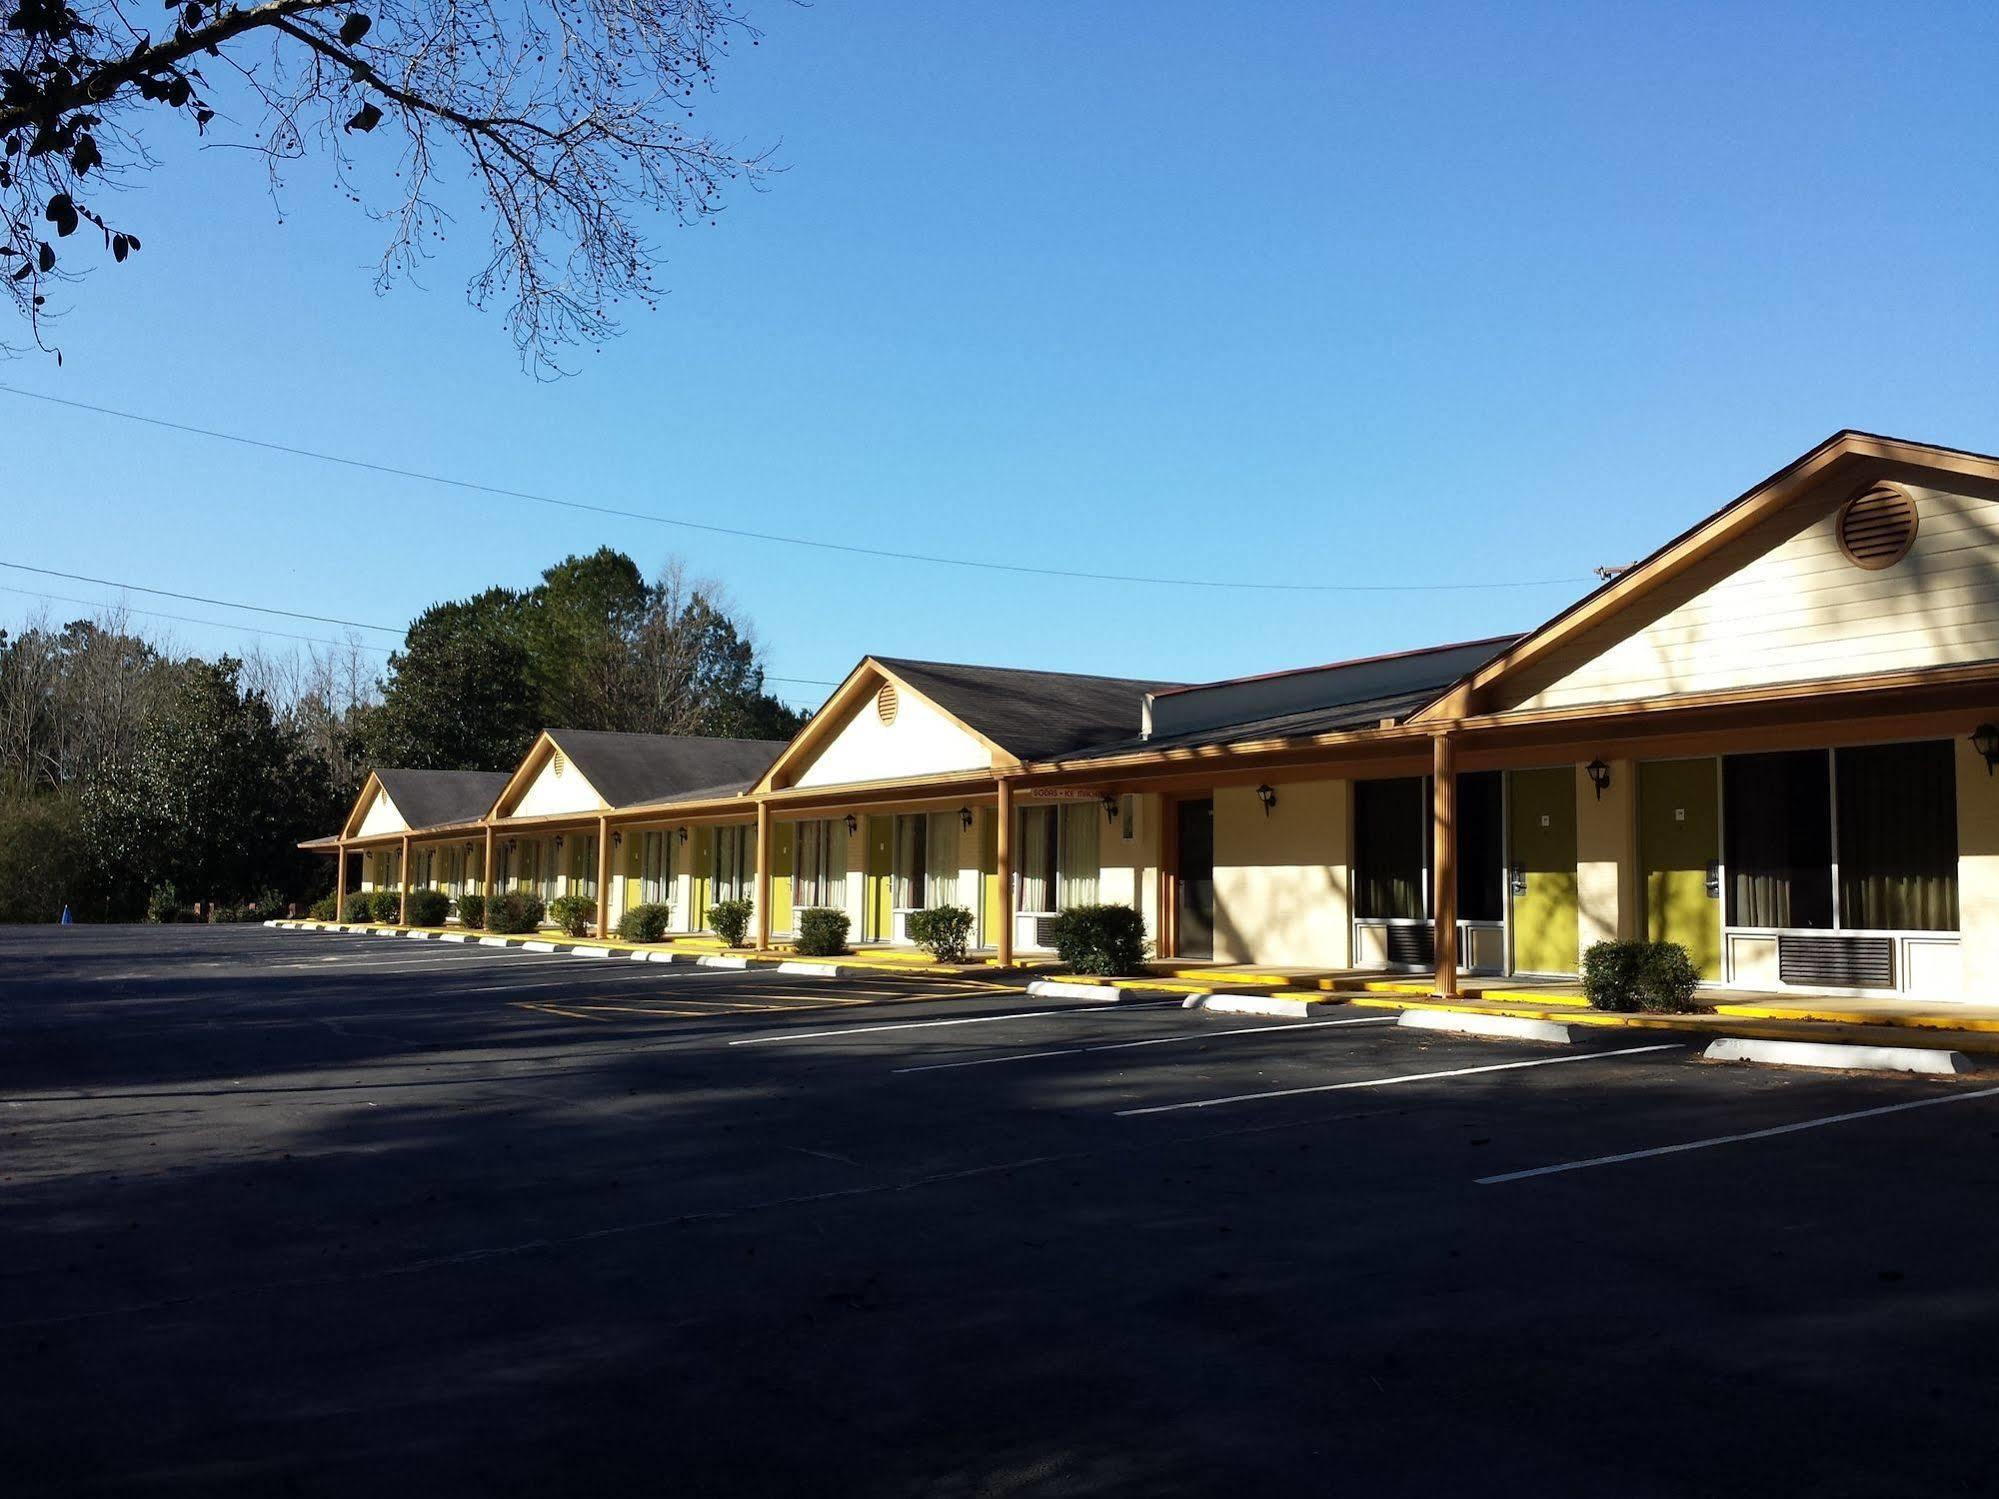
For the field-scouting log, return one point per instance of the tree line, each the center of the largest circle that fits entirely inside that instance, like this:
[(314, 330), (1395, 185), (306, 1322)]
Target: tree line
[(135, 779)]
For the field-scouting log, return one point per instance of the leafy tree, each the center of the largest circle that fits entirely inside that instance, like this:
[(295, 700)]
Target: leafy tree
[(458, 694), (41, 857), (568, 117), (213, 801)]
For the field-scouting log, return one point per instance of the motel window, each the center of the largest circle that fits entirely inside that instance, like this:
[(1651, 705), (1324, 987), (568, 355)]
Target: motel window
[(1898, 837), (585, 880), (653, 868), (1059, 857), (819, 865), (735, 863), (1391, 849), (1860, 839), (1481, 847), (926, 860)]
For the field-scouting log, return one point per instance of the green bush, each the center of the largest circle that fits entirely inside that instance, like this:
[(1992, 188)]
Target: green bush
[(357, 908), (385, 907), (429, 907), (945, 932), (43, 859), (266, 907), (822, 933), (730, 920), (576, 915), (646, 922), (1108, 941), (515, 912), (471, 910), (1655, 976), (324, 909), (163, 905)]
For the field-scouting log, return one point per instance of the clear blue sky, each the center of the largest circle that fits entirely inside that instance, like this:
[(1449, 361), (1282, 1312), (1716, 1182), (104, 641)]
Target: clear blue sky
[(1437, 294)]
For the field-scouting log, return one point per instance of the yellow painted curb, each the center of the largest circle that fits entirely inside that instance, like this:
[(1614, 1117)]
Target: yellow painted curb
[(1826, 1014)]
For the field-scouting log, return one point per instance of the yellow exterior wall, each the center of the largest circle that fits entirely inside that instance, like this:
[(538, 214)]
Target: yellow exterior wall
[(1978, 874), (1128, 872), (1283, 883)]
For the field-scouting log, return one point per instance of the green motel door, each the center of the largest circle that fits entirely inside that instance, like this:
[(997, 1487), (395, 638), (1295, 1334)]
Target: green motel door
[(880, 922), (1541, 833), (1679, 853)]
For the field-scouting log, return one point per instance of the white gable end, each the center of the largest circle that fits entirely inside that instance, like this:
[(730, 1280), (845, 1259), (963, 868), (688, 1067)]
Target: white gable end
[(558, 788), (1802, 612), (381, 816), (921, 741)]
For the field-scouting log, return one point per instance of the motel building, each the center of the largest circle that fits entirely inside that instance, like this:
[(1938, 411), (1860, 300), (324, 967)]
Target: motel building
[(1771, 741)]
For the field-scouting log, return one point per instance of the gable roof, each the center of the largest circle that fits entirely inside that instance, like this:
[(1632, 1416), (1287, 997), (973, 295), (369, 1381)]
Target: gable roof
[(1848, 460), (630, 769), (1032, 715), (439, 798)]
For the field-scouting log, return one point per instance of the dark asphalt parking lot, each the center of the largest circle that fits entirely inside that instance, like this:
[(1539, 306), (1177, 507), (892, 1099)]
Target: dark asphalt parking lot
[(294, 1213)]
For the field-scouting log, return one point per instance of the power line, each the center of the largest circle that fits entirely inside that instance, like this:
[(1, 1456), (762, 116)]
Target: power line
[(195, 598), (217, 624), (933, 559)]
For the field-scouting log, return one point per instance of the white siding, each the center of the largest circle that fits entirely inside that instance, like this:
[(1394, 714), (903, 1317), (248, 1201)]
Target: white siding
[(381, 816), (552, 792), (1801, 612), (921, 741)]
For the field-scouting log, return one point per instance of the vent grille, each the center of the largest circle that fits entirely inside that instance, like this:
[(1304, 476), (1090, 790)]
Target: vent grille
[(887, 703), (1414, 946), (556, 765), (1837, 962), (1876, 529)]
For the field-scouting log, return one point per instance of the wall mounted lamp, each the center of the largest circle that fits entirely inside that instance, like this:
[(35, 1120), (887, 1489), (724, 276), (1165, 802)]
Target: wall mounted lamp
[(618, 838), (1109, 804), (1599, 777), (853, 825), (1268, 796), (683, 835), (965, 818), (1985, 739), (558, 843)]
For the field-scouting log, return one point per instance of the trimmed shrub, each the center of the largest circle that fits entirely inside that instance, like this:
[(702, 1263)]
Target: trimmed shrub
[(822, 933), (646, 922), (163, 905), (324, 909), (576, 915), (357, 908), (264, 908), (385, 907), (472, 910), (1667, 980), (1655, 976), (945, 932), (514, 912), (730, 920), (429, 907), (1108, 941)]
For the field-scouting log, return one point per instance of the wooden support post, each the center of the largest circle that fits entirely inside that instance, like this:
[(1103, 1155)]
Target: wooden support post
[(1003, 860), (340, 880), (1166, 941), (403, 882), (486, 869), (763, 877), (603, 878), (1444, 875)]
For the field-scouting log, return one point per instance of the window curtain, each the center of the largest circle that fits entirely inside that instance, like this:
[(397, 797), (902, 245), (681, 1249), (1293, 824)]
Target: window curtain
[(807, 862), (1079, 859), (1389, 826), (942, 862), (1777, 843), (587, 878), (912, 857), (834, 886), (1037, 860), (1898, 837)]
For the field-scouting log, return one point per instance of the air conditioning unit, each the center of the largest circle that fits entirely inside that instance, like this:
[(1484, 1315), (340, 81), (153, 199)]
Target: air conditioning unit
[(1034, 932), (1836, 962)]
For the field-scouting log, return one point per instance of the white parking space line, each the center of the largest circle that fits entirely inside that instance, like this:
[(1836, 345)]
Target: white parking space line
[(920, 1025), (1737, 1139), (1078, 1051), (1389, 1082)]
